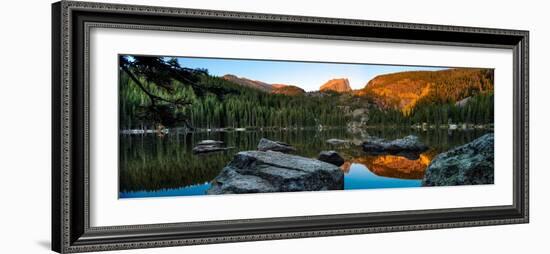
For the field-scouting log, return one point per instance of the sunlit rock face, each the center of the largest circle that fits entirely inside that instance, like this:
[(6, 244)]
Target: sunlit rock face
[(287, 90), (404, 90), (248, 83), (393, 165), (340, 85)]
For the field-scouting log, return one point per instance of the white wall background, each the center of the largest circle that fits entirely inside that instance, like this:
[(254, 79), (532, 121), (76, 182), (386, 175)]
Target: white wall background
[(25, 125)]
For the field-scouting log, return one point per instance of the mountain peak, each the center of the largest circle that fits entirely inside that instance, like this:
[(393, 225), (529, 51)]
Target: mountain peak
[(340, 85), (248, 82), (287, 89), (265, 87)]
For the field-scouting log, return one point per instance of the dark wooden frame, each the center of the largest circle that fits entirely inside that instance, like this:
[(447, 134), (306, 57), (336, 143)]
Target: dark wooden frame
[(71, 22)]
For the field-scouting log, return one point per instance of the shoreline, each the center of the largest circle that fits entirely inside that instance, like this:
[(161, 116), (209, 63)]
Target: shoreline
[(422, 127)]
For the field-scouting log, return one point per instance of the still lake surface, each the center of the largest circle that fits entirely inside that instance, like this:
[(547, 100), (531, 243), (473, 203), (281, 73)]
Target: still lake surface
[(153, 166)]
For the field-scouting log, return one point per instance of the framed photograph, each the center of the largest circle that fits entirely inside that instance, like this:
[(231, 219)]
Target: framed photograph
[(182, 126)]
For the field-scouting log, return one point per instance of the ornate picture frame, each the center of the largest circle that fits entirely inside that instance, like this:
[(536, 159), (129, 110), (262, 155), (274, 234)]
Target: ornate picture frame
[(71, 24)]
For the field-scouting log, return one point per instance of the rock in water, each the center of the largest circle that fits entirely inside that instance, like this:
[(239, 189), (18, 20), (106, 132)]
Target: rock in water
[(270, 145), (258, 172), (335, 141), (331, 157), (472, 163), (209, 149), (210, 142), (209, 146), (408, 146)]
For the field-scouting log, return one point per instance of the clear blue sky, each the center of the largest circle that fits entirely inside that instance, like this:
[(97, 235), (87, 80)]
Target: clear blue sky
[(306, 75)]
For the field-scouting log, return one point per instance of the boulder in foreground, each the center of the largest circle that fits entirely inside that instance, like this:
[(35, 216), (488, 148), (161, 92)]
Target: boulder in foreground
[(277, 146), (469, 164), (259, 172)]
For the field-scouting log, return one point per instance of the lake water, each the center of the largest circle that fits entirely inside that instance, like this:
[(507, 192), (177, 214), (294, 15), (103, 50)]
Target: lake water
[(153, 166)]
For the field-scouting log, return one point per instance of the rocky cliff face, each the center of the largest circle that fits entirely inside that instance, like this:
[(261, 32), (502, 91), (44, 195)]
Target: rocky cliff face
[(287, 89), (340, 85)]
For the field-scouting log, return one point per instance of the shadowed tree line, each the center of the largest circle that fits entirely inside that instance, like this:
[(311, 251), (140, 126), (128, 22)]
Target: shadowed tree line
[(157, 90), (159, 79), (478, 110)]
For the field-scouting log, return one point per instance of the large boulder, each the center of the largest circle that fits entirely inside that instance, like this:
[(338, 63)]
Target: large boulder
[(472, 163), (331, 157), (258, 172), (409, 146), (277, 146)]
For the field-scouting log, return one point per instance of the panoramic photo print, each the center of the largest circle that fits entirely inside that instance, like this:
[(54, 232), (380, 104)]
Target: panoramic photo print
[(208, 126)]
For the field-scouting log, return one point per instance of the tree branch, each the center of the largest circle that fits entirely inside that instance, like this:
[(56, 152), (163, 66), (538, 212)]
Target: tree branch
[(178, 102)]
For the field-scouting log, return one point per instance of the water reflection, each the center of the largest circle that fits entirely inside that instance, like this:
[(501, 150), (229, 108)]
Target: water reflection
[(193, 190), (359, 177), (396, 166), (386, 171), (152, 166)]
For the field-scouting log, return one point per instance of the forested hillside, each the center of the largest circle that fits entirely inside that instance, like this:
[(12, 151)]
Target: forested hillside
[(243, 107), (403, 90), (478, 110), (431, 97), (155, 91)]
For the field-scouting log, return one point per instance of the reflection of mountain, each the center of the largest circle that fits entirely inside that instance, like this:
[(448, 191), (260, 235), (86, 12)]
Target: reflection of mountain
[(346, 167), (393, 166)]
